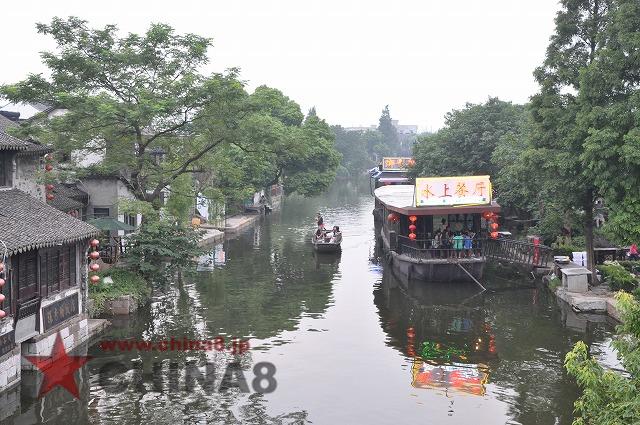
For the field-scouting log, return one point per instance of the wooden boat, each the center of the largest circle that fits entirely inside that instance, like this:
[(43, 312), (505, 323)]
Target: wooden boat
[(320, 245)]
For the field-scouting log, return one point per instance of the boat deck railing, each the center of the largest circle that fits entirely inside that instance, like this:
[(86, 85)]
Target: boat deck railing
[(430, 249), (509, 250)]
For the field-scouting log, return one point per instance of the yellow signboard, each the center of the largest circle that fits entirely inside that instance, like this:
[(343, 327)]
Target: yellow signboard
[(397, 163), (452, 191)]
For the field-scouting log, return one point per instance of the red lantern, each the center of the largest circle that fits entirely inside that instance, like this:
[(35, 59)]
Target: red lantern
[(494, 226), (413, 218), (48, 157), (95, 278), (48, 167), (2, 298), (494, 235), (94, 267), (50, 197), (94, 243), (94, 255), (412, 228), (1, 267), (2, 314), (392, 217), (49, 187), (411, 332), (487, 215), (2, 282), (412, 236)]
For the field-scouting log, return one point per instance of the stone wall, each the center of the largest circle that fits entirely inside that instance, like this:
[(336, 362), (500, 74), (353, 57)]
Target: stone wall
[(25, 176)]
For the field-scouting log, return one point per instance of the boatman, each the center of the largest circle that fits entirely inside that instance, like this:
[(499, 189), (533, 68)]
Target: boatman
[(320, 221)]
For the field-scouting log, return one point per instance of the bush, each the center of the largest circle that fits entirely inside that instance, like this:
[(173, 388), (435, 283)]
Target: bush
[(160, 249), (566, 249), (632, 266), (554, 283), (618, 277), (125, 282)]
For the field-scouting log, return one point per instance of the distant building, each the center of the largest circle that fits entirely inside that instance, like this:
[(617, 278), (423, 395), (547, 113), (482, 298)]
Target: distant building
[(403, 129)]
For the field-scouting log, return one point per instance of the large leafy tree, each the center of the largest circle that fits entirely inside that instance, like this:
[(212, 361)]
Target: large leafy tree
[(389, 131), (128, 96), (585, 117), (466, 144), (134, 97)]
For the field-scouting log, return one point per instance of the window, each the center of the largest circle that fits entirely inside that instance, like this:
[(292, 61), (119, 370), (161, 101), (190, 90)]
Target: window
[(6, 169), (25, 275), (130, 219), (101, 213), (57, 269)]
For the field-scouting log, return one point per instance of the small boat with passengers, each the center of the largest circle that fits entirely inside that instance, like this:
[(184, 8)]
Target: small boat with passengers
[(327, 241)]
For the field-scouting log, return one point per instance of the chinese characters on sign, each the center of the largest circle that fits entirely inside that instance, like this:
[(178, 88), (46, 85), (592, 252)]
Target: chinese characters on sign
[(59, 311), (449, 191), (397, 163)]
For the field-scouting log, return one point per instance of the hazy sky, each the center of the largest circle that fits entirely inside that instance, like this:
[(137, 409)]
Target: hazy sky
[(348, 58)]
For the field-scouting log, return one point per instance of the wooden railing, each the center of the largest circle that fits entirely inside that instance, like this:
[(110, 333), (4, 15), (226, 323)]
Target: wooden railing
[(510, 250), (520, 252), (426, 249)]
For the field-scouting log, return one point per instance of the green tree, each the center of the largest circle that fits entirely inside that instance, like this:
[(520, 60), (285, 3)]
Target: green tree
[(353, 145), (127, 96), (466, 144), (389, 131), (609, 397)]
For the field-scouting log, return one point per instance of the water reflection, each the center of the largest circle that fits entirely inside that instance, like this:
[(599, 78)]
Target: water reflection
[(352, 343)]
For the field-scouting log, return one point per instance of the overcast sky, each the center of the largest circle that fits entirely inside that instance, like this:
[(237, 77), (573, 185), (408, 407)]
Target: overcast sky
[(348, 58)]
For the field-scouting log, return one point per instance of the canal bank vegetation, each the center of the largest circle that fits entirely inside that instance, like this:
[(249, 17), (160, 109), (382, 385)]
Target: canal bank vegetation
[(568, 157), (118, 283)]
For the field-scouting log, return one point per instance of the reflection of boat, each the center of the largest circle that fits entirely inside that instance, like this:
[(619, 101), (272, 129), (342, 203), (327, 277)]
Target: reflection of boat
[(453, 376), (321, 245)]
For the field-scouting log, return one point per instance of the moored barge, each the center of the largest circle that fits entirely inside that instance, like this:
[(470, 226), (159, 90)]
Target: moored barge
[(436, 229)]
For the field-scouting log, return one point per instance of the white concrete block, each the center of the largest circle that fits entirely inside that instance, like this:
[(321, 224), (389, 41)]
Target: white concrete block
[(3, 378), (64, 332)]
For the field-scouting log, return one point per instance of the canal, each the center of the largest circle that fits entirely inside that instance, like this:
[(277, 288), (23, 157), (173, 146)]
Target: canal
[(350, 342)]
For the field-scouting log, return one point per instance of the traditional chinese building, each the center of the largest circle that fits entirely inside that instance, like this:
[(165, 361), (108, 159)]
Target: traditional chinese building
[(412, 219), (44, 253)]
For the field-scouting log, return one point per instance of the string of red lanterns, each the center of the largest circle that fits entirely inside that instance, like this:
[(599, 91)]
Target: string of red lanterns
[(94, 255), (492, 218), (412, 226)]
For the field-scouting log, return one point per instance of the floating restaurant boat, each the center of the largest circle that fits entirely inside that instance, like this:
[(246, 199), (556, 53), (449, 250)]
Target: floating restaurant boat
[(410, 217), (391, 171)]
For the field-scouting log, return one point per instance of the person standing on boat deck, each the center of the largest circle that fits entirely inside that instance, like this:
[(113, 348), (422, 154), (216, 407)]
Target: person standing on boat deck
[(458, 244), (468, 244), (320, 221), (446, 244), (436, 243)]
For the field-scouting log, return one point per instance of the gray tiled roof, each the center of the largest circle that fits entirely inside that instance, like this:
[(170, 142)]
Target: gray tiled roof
[(8, 141), (24, 147), (64, 204), (26, 223)]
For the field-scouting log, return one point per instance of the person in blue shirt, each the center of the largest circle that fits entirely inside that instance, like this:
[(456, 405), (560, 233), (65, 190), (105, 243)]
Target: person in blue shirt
[(468, 244)]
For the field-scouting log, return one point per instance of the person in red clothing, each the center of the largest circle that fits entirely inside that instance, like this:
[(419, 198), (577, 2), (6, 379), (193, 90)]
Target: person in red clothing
[(633, 252)]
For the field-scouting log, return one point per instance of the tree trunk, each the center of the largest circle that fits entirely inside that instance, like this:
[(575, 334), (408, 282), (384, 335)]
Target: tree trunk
[(588, 234)]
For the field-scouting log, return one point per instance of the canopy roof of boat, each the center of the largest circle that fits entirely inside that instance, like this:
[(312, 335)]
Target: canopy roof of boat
[(401, 199)]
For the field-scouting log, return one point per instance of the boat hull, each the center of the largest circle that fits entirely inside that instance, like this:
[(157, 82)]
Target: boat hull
[(326, 247), (434, 269)]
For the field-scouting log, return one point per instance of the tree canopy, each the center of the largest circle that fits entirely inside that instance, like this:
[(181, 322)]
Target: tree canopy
[(133, 97)]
